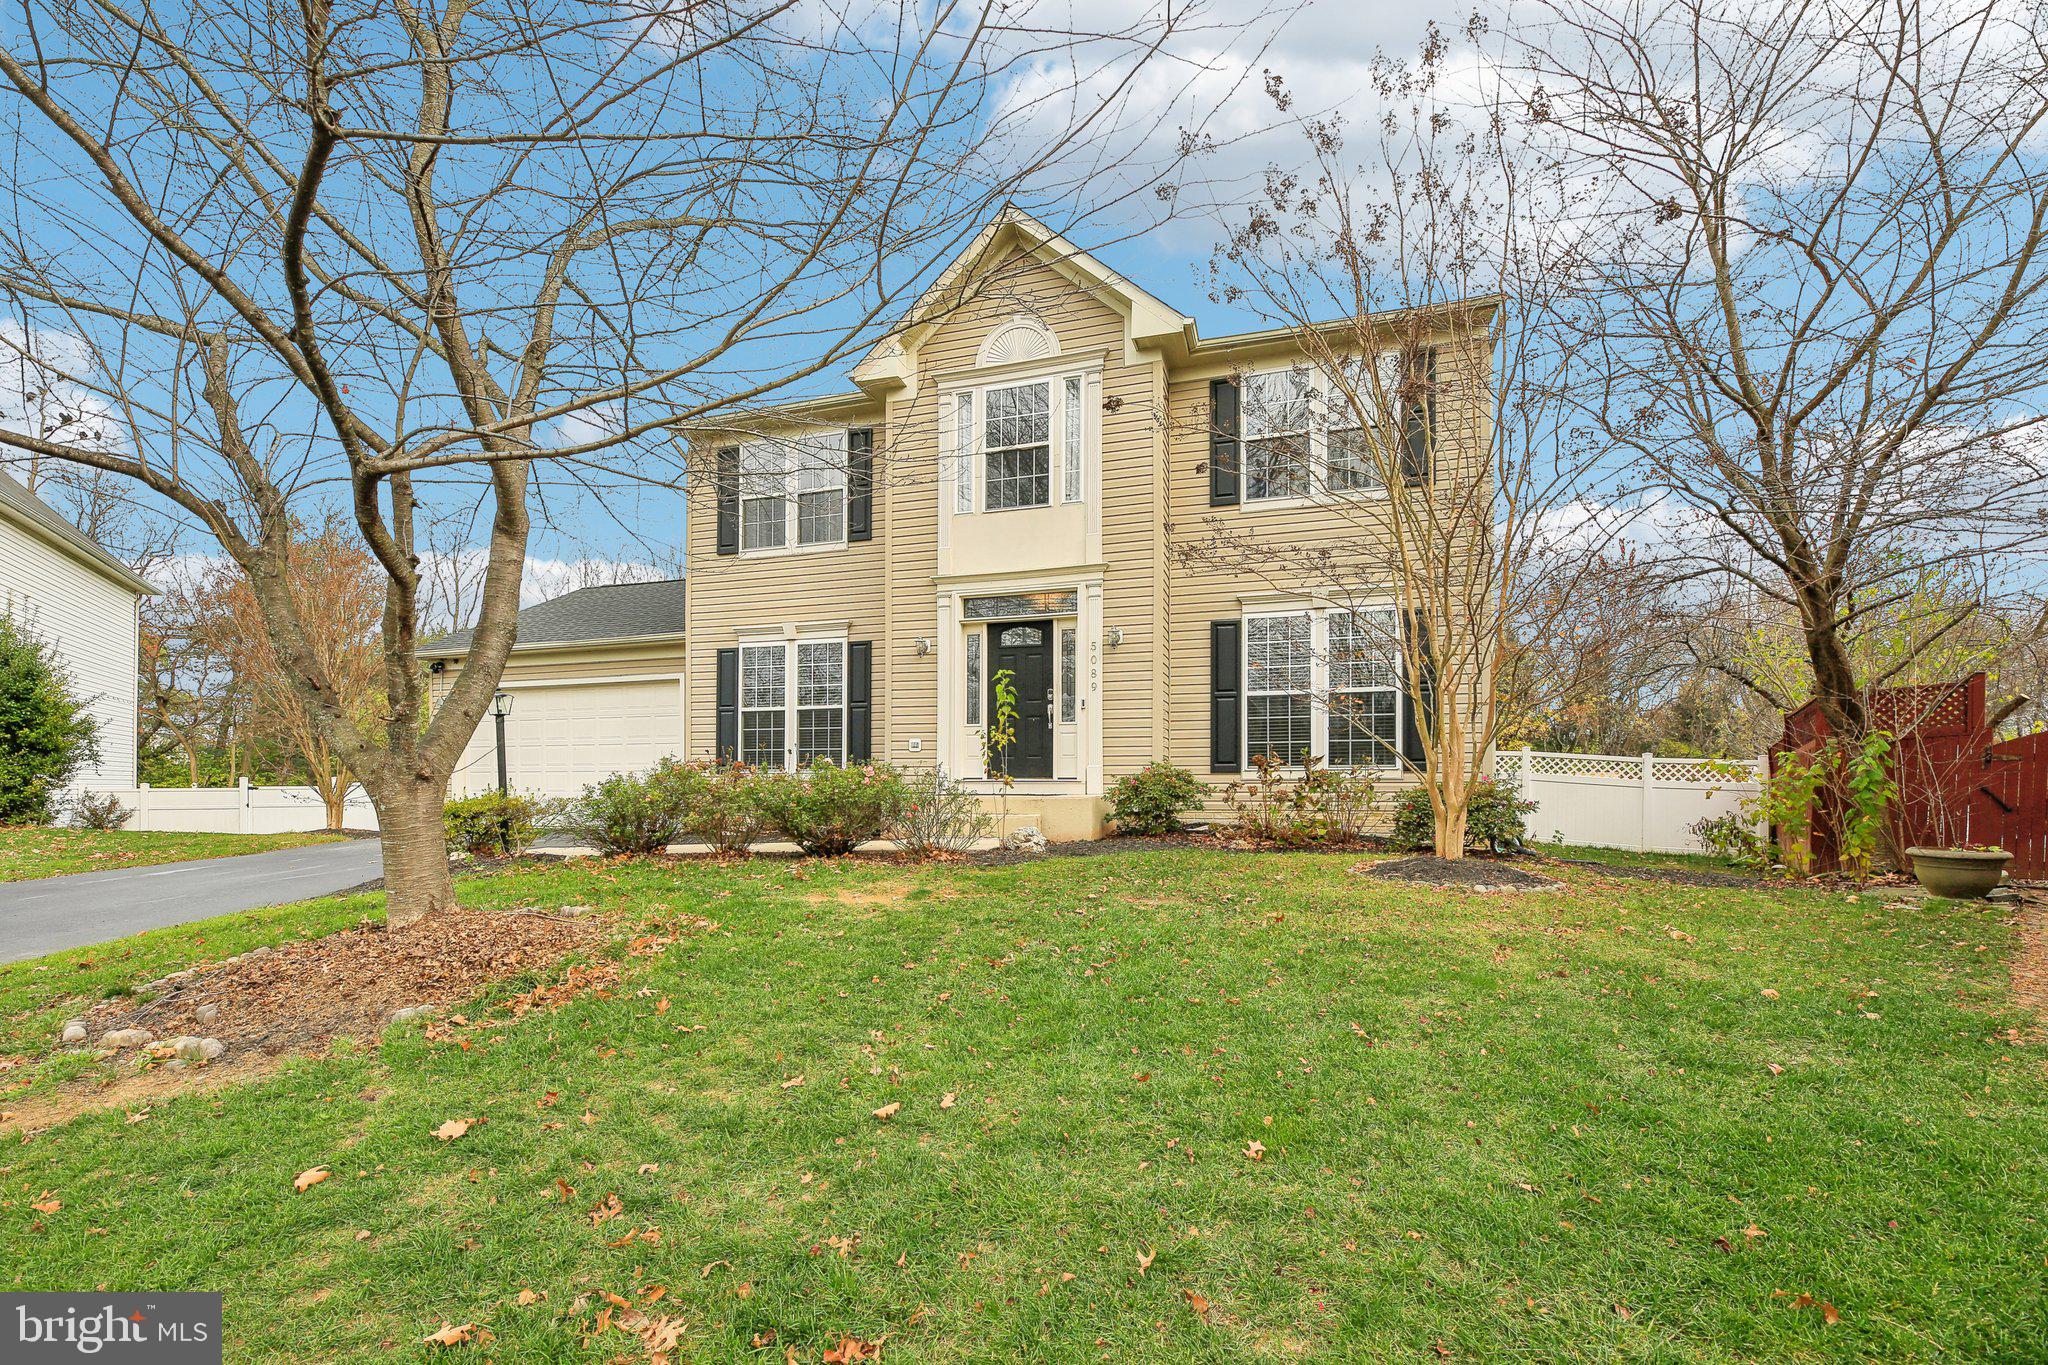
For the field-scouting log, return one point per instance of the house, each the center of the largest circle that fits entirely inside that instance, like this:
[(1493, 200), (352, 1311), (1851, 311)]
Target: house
[(595, 685), (999, 497), (998, 500), (86, 605)]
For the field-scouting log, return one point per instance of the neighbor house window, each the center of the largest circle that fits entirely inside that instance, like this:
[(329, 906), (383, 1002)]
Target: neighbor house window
[(1017, 446), (792, 702), (1302, 432), (1324, 683), (793, 492)]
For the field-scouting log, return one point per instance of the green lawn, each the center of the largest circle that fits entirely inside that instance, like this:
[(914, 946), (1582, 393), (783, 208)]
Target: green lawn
[(34, 851), (1542, 1128)]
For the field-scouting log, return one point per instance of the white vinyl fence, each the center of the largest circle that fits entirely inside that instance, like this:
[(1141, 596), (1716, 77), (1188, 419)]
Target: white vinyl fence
[(1617, 801), (240, 809)]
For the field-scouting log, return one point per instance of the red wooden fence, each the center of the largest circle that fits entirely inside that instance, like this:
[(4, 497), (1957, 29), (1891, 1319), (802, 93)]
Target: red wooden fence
[(1958, 784)]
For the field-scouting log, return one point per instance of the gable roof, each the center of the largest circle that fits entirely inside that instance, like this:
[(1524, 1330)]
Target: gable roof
[(25, 508), (617, 611)]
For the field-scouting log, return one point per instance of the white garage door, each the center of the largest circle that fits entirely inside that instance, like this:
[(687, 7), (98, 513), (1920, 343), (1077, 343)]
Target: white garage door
[(560, 739)]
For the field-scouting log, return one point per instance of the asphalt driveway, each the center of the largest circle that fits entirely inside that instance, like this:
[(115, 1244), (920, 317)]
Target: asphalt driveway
[(56, 913)]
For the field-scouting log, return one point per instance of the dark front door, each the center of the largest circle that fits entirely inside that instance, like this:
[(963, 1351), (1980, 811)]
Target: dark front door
[(1024, 649)]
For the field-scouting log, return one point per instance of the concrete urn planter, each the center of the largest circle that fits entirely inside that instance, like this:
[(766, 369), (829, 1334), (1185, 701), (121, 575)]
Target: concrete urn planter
[(1959, 873)]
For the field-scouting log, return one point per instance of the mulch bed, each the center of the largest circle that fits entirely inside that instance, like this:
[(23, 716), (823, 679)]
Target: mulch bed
[(1464, 874), (1677, 876), (299, 996)]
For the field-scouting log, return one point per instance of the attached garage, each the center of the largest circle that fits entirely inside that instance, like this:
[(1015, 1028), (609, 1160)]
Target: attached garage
[(595, 685)]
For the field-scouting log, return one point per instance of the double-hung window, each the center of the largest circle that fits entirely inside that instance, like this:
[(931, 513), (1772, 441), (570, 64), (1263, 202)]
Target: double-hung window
[(792, 702), (793, 492), (1324, 683), (1302, 430), (1017, 445)]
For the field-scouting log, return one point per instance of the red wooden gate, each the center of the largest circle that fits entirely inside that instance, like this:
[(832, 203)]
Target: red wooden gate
[(1957, 783)]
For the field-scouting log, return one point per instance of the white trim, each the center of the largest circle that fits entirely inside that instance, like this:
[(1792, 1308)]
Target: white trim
[(545, 646), (515, 685), (1029, 331)]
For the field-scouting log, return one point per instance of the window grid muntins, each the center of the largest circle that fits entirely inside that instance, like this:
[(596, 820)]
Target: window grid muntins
[(1017, 435), (763, 692), (763, 478), (1326, 683), (963, 453), (801, 698), (793, 492), (974, 676), (1301, 433)]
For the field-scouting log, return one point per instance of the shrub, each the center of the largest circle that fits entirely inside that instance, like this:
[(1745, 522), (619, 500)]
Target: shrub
[(939, 815), (1493, 816), (99, 811), (1730, 836), (1153, 799), (493, 823), (1320, 806), (635, 813), (723, 810), (46, 734), (827, 809)]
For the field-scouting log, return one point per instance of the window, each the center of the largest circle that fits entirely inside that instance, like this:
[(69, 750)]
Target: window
[(793, 492), (1325, 683), (974, 676), (1070, 449), (792, 703), (1364, 702), (1277, 679), (1067, 670), (1017, 438), (1302, 434), (963, 453), (763, 704)]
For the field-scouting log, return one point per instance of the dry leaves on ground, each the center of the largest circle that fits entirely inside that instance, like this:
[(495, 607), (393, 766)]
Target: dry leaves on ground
[(308, 1179)]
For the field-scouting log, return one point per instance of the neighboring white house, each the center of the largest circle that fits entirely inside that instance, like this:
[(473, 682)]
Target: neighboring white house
[(85, 604)]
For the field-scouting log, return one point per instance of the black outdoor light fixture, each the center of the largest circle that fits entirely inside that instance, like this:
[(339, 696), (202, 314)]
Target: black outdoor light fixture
[(501, 707)]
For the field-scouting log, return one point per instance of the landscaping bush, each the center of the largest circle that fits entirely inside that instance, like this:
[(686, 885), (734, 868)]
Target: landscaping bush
[(827, 809), (939, 815), (46, 734), (494, 823), (1733, 837), (1153, 799), (723, 810), (1319, 806), (1494, 816), (635, 813), (99, 811)]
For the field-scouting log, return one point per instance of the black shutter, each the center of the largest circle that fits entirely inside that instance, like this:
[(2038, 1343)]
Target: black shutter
[(1224, 428), (860, 483), (1418, 419), (1226, 698), (1420, 693), (728, 488), (860, 705), (728, 705)]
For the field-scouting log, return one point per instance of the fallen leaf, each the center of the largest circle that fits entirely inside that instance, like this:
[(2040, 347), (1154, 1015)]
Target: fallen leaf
[(649, 1167), (451, 1335), (793, 1082), (852, 1349), (46, 1202), (308, 1179), (1752, 1232), (887, 1111), (1803, 1301), (948, 1100), (452, 1129), (1256, 1150), (1829, 1315), (527, 1296), (1145, 1259), (1775, 1069), (1195, 1301), (1621, 1311)]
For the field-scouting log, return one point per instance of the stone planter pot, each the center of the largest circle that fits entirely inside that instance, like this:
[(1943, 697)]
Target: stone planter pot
[(1959, 873)]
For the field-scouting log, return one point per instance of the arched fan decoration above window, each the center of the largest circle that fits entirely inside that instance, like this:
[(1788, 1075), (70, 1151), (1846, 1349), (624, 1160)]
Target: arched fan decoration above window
[(1021, 338)]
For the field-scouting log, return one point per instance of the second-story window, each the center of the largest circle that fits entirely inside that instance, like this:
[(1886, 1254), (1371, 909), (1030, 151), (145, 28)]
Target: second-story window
[(1302, 434), (793, 492), (1017, 442)]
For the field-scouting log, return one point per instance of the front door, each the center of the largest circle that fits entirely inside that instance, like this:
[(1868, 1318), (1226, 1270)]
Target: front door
[(1024, 650)]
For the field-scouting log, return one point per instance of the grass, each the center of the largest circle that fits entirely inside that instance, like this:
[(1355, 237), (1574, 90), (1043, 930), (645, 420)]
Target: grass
[(35, 851), (1534, 1128)]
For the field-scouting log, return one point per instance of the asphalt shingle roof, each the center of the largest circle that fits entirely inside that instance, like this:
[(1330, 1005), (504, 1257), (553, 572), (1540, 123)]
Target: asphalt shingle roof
[(15, 496), (621, 611)]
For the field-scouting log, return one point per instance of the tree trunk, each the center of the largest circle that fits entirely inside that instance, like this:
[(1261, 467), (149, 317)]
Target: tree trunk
[(334, 796), (416, 880), (1450, 826)]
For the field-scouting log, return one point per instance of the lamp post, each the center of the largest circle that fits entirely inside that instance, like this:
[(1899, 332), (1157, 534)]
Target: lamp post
[(501, 707)]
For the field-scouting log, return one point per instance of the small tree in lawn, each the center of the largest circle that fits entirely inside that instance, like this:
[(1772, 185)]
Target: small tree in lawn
[(46, 736), (1416, 269)]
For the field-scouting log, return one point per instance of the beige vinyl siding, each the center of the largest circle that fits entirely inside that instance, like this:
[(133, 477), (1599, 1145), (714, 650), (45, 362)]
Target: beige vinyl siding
[(1199, 594), (637, 659), (830, 586)]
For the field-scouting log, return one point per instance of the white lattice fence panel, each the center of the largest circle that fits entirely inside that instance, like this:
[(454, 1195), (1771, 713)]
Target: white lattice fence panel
[(1619, 801)]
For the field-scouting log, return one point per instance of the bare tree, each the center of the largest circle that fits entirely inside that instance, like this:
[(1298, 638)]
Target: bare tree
[(1815, 277), (1415, 263), (394, 258)]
